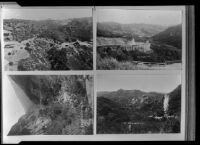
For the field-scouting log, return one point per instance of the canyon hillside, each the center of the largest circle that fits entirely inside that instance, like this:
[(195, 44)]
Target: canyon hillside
[(135, 111), (62, 105)]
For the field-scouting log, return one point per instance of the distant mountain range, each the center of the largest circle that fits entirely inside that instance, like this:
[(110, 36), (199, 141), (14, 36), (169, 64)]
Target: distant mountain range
[(138, 97), (60, 30), (111, 29), (126, 97), (171, 35)]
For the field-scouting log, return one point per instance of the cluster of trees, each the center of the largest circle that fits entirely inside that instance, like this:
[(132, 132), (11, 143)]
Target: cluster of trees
[(110, 115), (163, 52), (159, 53), (58, 59), (68, 59)]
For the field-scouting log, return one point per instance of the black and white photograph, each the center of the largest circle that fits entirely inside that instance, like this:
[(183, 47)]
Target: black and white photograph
[(138, 104), (139, 39), (49, 105), (96, 73), (48, 39)]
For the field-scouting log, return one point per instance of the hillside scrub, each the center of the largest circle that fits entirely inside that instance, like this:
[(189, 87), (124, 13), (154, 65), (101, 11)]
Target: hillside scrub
[(79, 28), (61, 105), (159, 53), (112, 29), (45, 40), (135, 111), (171, 36), (113, 64), (68, 59)]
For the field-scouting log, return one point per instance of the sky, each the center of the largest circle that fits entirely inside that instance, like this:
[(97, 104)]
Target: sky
[(12, 106), (159, 83), (46, 13), (158, 17)]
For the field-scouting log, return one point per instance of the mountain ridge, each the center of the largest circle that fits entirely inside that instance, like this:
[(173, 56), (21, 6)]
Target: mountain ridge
[(118, 29), (171, 36)]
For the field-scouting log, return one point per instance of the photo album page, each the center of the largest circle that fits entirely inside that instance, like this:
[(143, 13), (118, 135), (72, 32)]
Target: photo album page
[(93, 73)]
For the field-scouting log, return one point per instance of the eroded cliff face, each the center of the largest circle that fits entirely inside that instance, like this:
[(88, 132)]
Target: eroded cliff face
[(62, 105)]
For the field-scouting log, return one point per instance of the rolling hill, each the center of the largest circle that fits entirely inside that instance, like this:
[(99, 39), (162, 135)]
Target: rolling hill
[(112, 29), (171, 36), (60, 30), (125, 97)]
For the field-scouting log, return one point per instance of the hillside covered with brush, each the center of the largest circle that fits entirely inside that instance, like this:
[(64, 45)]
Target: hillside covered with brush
[(171, 36), (62, 105), (113, 29), (48, 44), (65, 30), (135, 111)]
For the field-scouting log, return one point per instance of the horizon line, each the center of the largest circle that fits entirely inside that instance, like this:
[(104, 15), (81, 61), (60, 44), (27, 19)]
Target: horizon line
[(137, 90), (139, 23), (44, 19)]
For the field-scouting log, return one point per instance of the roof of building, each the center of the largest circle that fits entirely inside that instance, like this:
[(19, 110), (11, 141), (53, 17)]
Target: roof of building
[(82, 43)]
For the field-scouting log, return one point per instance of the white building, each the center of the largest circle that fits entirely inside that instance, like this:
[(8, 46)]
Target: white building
[(141, 46)]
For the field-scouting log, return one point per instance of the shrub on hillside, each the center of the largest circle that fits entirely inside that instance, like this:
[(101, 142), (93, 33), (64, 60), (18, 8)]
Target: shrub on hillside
[(58, 59), (112, 64), (69, 59), (159, 53)]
